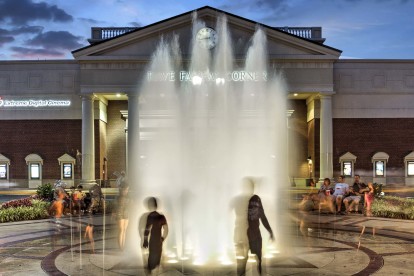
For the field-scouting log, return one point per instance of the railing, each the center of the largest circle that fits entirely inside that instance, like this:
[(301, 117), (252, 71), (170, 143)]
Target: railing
[(312, 33), (102, 33)]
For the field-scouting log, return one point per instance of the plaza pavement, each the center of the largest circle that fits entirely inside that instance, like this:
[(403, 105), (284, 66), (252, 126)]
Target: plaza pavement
[(321, 245)]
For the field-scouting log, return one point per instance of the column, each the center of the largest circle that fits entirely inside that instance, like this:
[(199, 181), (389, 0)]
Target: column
[(133, 138), (326, 140), (88, 141)]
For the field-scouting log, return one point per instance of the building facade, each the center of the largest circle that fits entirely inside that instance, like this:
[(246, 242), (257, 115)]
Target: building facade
[(74, 119)]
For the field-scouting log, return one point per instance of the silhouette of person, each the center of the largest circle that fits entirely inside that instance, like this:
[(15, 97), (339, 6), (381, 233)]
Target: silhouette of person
[(254, 213), (240, 205), (156, 231)]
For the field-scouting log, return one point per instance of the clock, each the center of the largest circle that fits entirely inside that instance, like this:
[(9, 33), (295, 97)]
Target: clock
[(207, 37)]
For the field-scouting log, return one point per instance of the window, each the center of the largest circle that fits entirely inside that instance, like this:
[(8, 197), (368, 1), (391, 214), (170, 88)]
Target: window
[(67, 170), (3, 171), (34, 171), (410, 168), (347, 168), (379, 168)]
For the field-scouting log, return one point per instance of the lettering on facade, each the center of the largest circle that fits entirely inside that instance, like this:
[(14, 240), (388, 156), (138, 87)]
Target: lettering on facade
[(34, 103), (185, 76)]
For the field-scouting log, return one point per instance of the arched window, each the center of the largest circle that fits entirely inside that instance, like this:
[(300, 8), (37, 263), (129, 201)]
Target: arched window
[(67, 164), (4, 167), (409, 168), (347, 162), (379, 161)]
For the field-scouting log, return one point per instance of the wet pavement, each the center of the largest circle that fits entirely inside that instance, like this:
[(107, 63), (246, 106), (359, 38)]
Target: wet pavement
[(321, 245)]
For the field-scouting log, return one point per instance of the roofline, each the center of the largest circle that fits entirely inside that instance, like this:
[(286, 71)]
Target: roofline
[(217, 10)]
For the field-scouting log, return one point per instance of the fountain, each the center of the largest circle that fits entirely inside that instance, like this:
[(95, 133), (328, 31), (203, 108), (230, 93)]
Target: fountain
[(207, 122)]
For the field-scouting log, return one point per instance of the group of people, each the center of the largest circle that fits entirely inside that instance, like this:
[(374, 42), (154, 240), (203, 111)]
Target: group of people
[(342, 195)]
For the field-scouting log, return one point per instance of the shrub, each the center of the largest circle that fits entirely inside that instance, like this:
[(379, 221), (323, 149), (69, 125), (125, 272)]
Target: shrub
[(393, 207), (38, 210), (45, 191), (27, 201)]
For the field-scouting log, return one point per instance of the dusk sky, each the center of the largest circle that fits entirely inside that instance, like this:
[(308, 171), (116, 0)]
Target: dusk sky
[(51, 29)]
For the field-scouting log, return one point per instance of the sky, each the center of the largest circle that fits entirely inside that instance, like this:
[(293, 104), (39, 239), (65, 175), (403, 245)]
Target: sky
[(51, 29)]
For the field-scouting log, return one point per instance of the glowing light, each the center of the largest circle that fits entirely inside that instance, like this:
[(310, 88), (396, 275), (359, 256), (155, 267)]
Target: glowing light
[(197, 80), (118, 95), (240, 257), (296, 94), (198, 262), (173, 261), (220, 81)]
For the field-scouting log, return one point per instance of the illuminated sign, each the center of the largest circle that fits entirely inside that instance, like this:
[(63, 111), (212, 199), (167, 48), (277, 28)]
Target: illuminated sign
[(34, 103), (237, 76)]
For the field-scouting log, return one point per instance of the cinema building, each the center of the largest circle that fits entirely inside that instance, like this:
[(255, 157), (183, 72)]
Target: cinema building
[(69, 119)]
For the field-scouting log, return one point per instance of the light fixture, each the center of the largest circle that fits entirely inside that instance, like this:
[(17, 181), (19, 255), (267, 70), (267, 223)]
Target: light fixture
[(197, 80), (295, 94)]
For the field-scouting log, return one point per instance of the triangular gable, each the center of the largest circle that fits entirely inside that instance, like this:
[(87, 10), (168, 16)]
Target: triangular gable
[(140, 44)]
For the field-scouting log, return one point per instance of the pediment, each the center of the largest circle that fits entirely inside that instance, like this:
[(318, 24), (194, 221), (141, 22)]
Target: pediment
[(347, 157), (4, 159), (66, 158), (33, 157), (409, 157), (140, 44)]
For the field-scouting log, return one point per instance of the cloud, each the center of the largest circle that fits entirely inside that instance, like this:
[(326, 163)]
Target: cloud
[(24, 53), (56, 40), (135, 24), (91, 21), (27, 30), (21, 12), (5, 39)]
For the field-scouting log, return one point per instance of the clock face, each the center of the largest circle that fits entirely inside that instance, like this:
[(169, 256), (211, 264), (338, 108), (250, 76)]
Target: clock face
[(207, 37)]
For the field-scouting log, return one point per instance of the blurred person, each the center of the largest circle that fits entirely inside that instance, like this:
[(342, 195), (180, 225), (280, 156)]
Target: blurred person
[(57, 206), (240, 206), (122, 214), (97, 201), (156, 231), (369, 198), (78, 197), (89, 235), (255, 213)]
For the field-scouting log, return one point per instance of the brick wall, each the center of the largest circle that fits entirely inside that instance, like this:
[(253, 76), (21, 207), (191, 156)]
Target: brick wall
[(48, 138), (116, 138), (365, 137)]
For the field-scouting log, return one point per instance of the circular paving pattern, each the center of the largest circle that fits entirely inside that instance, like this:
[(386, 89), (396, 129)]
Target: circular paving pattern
[(320, 246)]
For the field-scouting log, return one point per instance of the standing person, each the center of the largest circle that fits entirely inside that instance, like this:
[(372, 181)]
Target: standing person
[(122, 214), (255, 214), (369, 198), (340, 192), (156, 231)]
